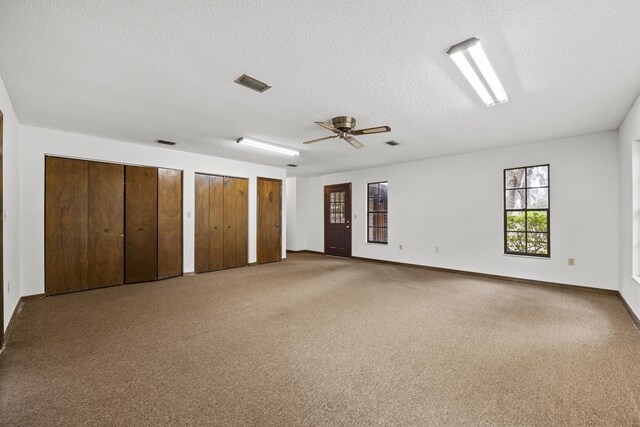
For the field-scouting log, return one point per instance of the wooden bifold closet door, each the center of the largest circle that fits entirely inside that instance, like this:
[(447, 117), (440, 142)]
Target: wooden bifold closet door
[(141, 237), (84, 221), (106, 225), (169, 223), (236, 221), (66, 205), (202, 225), (221, 229)]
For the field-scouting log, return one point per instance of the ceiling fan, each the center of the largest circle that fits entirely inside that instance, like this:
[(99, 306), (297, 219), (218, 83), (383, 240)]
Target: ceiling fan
[(344, 126)]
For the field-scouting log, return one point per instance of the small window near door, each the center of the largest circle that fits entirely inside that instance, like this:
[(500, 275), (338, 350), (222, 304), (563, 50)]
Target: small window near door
[(526, 211), (377, 213)]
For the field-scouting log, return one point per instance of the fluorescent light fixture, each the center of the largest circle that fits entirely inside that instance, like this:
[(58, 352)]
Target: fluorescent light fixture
[(474, 64), (266, 146)]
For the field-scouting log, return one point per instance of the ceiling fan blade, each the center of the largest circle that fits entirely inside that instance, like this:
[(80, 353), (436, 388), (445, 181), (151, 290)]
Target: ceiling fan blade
[(367, 131), (327, 126), (320, 139), (354, 142)]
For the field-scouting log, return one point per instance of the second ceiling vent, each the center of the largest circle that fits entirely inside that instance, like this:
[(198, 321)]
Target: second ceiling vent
[(251, 83)]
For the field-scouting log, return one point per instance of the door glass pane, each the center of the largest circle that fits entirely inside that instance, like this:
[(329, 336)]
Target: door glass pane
[(514, 178), (515, 199), (537, 221), (538, 176), (515, 221), (538, 198), (337, 207)]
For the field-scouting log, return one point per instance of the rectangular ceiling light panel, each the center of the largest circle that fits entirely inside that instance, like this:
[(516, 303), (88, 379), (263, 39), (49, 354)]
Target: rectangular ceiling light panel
[(474, 64), (266, 146)]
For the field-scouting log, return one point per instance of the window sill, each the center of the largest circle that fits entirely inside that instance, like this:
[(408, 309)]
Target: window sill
[(544, 258)]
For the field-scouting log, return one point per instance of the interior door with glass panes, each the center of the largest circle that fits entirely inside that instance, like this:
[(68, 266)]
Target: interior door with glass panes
[(337, 220)]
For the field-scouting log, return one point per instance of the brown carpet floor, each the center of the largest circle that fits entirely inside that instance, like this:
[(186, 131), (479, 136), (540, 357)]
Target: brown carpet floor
[(323, 341)]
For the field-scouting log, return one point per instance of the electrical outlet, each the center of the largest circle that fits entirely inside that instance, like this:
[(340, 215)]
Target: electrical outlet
[(572, 262), (9, 286), (437, 249), (355, 216), (400, 247)]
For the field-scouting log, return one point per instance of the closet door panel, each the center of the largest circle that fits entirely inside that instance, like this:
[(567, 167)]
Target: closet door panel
[(216, 225), (66, 204), (141, 224), (169, 223), (202, 224), (235, 222), (106, 225), (243, 222)]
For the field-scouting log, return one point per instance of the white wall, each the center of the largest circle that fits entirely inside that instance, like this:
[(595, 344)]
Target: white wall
[(296, 214), (11, 199), (303, 214), (456, 203), (36, 142), (629, 152), (292, 213)]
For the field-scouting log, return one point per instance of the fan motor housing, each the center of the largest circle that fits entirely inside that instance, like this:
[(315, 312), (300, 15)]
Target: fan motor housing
[(344, 123)]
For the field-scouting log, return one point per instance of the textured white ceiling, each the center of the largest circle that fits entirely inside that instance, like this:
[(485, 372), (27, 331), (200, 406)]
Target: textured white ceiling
[(142, 70)]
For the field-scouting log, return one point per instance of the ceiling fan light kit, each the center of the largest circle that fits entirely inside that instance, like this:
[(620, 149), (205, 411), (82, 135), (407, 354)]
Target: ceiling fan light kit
[(473, 62), (343, 127), (266, 146)]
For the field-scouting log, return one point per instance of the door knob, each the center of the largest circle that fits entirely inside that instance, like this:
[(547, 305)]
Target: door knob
[(277, 225), (347, 226)]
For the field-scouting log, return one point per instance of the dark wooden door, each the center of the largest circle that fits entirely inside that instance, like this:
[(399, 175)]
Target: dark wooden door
[(269, 220), (216, 223), (235, 222), (66, 227), (105, 252), (141, 224), (337, 220), (169, 223)]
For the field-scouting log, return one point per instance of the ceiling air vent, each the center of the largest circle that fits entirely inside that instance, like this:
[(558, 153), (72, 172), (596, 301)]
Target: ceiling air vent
[(291, 165), (251, 83), (163, 142), (392, 143)]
